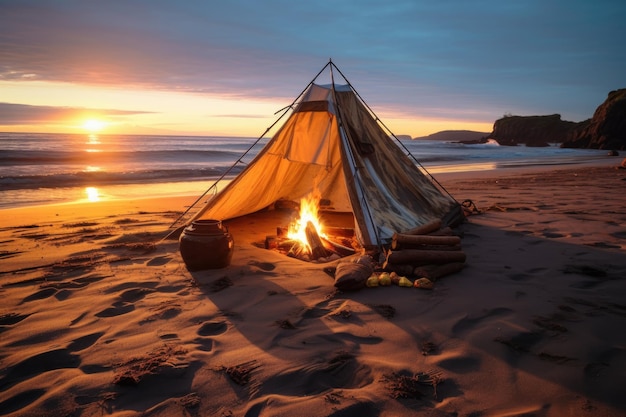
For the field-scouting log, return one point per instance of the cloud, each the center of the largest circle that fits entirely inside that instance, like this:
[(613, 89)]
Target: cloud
[(557, 56), (21, 114)]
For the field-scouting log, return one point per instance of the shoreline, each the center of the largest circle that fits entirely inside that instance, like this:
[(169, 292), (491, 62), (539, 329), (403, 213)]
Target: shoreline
[(100, 315), (183, 189)]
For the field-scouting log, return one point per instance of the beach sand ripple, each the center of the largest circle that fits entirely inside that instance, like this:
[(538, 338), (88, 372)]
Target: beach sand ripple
[(101, 317)]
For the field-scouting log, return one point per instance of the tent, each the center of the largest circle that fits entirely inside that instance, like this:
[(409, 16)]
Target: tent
[(334, 145)]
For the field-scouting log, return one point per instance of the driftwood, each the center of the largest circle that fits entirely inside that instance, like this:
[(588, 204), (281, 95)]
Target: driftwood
[(425, 228), (400, 240), (417, 257), (317, 247), (434, 272)]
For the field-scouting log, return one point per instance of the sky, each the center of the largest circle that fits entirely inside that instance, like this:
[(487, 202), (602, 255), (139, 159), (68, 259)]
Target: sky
[(206, 67)]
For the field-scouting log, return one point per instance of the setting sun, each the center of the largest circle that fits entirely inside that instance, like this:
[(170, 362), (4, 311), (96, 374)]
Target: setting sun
[(94, 125)]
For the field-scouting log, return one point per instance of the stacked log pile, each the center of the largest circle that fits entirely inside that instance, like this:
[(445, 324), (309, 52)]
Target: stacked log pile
[(426, 253)]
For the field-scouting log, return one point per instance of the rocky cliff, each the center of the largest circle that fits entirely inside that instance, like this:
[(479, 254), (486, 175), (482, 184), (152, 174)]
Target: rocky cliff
[(607, 128), (532, 130)]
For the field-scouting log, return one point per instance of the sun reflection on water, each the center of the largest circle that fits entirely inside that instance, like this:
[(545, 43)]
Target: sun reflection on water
[(93, 139)]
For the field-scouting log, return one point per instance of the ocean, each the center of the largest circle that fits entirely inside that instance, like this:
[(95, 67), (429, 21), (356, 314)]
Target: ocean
[(43, 168)]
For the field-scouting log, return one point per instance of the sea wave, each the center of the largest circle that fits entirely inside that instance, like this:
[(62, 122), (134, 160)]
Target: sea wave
[(49, 157), (99, 178)]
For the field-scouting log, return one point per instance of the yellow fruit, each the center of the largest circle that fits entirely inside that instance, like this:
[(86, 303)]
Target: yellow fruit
[(405, 282), (384, 279), (372, 281)]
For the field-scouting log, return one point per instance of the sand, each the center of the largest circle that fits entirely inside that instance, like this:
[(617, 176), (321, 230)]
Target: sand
[(100, 317)]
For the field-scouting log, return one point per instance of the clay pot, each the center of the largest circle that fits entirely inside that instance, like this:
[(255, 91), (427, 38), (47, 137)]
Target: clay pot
[(206, 244)]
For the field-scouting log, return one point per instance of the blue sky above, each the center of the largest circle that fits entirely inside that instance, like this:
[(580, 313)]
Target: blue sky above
[(461, 60)]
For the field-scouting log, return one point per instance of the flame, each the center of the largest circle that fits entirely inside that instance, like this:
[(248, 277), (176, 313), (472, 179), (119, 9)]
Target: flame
[(309, 207)]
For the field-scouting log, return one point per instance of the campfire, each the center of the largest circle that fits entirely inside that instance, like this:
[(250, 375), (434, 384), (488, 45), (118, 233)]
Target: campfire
[(307, 238)]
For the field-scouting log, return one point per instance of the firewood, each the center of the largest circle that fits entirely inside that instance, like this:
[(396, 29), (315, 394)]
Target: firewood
[(399, 239), (297, 251), (418, 257), (428, 247), (287, 244), (402, 270), (317, 247), (434, 272), (339, 231), (425, 228), (271, 242), (337, 248), (444, 231)]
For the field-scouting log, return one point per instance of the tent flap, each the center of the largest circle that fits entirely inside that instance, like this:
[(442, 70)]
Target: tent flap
[(331, 144)]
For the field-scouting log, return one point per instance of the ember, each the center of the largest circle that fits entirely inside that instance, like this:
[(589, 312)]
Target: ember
[(308, 239)]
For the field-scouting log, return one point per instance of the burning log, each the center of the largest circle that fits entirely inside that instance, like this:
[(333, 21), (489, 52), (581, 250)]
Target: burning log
[(341, 250), (317, 247), (401, 240), (425, 228), (297, 251), (277, 243), (419, 257)]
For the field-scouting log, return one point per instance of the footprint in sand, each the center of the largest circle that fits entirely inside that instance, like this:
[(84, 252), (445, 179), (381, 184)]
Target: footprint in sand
[(40, 295), (341, 370), (460, 364), (117, 309), (468, 322), (12, 318), (265, 266), (38, 364), (21, 400), (135, 294), (210, 328), (213, 328), (84, 342)]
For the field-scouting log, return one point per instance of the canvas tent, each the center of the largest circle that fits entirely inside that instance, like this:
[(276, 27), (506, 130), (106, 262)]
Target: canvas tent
[(333, 144)]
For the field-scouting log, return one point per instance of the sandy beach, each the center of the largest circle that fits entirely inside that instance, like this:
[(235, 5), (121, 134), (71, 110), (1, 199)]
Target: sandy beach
[(100, 316)]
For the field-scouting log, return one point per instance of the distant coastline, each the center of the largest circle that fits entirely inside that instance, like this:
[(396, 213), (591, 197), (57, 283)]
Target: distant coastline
[(457, 136)]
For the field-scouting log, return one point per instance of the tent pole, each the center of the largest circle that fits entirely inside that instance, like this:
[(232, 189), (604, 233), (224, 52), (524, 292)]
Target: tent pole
[(408, 152), (284, 110), (343, 132)]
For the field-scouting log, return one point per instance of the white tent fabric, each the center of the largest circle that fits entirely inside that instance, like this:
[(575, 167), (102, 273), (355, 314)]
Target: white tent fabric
[(332, 145)]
